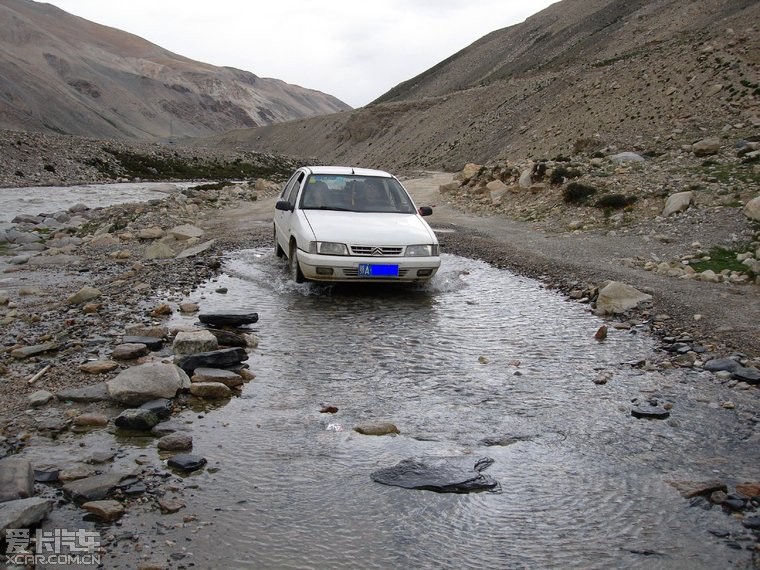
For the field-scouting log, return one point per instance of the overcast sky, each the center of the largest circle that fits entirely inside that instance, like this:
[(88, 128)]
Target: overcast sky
[(355, 50)]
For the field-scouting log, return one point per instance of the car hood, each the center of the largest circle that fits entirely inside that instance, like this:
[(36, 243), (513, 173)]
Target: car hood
[(369, 228)]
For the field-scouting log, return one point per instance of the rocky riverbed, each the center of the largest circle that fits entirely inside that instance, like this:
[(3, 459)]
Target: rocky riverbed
[(86, 295)]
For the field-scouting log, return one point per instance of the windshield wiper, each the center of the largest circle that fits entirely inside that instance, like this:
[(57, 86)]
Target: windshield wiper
[(335, 208)]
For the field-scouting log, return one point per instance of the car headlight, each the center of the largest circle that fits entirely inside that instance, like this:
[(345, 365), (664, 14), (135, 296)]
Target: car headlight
[(328, 248), (421, 250)]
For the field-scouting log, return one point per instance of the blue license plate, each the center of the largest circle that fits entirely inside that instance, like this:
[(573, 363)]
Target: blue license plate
[(372, 270)]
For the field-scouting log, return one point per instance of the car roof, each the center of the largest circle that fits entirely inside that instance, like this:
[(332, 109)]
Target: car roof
[(346, 170)]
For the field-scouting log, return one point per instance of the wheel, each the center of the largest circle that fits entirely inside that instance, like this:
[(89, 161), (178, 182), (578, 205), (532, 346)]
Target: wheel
[(293, 267), (277, 248)]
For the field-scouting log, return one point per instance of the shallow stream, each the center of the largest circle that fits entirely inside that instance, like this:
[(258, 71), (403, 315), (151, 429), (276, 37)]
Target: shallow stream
[(479, 357)]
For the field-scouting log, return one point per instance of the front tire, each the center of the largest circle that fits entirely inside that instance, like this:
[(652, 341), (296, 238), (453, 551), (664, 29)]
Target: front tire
[(293, 267)]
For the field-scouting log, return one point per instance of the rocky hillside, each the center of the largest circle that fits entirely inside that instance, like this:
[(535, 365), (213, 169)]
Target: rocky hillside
[(63, 74), (578, 77)]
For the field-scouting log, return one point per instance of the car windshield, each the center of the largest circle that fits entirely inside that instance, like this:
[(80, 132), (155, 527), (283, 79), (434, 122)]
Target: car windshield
[(354, 193)]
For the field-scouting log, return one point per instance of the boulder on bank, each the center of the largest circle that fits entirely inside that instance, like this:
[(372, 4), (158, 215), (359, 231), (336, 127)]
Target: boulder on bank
[(146, 382), (678, 202), (752, 209), (617, 297)]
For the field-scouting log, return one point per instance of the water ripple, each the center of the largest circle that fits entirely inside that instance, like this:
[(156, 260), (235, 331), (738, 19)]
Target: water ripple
[(480, 362)]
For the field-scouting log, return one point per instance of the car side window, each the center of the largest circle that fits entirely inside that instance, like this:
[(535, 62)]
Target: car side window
[(291, 190)]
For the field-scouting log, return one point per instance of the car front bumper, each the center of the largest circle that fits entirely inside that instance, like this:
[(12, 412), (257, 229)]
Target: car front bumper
[(335, 268)]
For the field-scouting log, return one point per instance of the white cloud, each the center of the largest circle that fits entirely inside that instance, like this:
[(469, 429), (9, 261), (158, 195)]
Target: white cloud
[(355, 51)]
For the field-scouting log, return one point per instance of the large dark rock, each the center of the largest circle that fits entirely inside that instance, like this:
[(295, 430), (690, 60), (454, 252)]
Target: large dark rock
[(721, 364), (222, 358), (229, 318), (747, 374), (187, 462), (162, 407), (439, 474), (137, 419)]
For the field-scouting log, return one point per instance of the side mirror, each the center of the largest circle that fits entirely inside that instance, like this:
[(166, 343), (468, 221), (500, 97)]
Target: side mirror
[(426, 211), (283, 205)]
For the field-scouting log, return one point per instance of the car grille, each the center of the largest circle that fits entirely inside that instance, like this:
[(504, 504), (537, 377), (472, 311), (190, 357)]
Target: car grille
[(373, 250), (354, 272)]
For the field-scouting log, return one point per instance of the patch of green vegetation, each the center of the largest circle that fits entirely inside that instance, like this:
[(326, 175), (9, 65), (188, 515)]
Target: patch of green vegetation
[(156, 167), (577, 193), (721, 258), (731, 172), (614, 201)]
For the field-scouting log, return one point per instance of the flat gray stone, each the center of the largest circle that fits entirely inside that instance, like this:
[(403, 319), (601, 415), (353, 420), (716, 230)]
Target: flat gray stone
[(23, 513), (210, 390), (129, 351), (439, 474), (195, 250), (94, 393), (16, 479), (39, 398), (226, 377), (27, 351), (93, 488)]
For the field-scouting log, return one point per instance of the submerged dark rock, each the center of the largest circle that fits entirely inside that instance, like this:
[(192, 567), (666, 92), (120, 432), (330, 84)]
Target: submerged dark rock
[(187, 462), (229, 318), (439, 474), (222, 358), (650, 412)]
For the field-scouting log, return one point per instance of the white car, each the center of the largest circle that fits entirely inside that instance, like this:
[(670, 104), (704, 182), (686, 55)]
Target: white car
[(337, 223)]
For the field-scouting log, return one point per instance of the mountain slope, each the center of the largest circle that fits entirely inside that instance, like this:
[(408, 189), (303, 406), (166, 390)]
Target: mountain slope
[(61, 73), (580, 75)]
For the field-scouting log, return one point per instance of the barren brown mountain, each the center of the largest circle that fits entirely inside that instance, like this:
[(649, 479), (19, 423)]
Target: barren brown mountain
[(580, 75), (60, 73)]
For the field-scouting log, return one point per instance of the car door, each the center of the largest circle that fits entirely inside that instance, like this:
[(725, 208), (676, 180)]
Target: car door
[(283, 219)]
